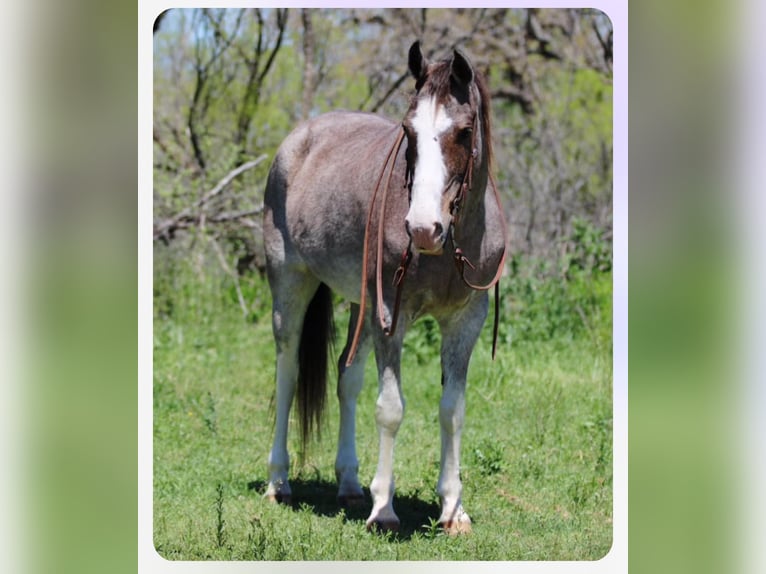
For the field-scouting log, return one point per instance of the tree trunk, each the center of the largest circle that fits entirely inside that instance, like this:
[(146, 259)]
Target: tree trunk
[(309, 63)]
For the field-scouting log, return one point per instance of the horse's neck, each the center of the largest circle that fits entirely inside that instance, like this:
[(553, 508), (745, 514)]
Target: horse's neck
[(471, 223), (474, 203), (478, 231)]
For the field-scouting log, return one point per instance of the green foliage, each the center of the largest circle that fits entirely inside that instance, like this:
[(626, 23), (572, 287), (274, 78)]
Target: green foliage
[(488, 458), (537, 442), (221, 99), (542, 301), (556, 163), (423, 340), (591, 253)]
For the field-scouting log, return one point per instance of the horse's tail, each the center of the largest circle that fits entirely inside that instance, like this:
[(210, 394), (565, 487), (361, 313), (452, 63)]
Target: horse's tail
[(317, 338)]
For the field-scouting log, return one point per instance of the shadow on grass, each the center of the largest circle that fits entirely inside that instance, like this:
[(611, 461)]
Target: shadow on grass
[(320, 497)]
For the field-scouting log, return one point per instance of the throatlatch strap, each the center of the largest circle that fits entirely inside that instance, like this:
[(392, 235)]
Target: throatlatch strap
[(461, 261)]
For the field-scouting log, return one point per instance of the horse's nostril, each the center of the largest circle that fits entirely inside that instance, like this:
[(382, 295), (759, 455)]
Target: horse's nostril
[(438, 229)]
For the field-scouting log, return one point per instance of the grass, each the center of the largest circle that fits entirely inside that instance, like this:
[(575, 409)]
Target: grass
[(536, 455)]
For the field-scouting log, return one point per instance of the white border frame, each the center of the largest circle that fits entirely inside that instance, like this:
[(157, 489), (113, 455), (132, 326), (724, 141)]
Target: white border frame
[(616, 560)]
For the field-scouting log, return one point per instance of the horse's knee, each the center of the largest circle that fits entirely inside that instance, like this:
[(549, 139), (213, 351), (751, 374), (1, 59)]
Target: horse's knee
[(389, 410), (286, 332)]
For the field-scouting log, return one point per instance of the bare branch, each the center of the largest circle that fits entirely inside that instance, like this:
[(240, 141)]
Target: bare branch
[(188, 217), (281, 25), (395, 86), (309, 68), (256, 78), (199, 86), (236, 215), (225, 266), (201, 97), (605, 43), (517, 95)]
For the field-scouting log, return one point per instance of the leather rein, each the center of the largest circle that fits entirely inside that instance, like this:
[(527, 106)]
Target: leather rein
[(461, 261)]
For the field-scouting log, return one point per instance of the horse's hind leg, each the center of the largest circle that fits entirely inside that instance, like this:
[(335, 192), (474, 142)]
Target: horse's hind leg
[(291, 293), (350, 382)]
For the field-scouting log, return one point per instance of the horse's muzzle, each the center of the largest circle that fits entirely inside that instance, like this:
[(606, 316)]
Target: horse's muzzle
[(428, 240)]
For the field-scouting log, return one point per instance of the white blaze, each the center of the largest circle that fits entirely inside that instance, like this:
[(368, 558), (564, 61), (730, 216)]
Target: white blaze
[(429, 122)]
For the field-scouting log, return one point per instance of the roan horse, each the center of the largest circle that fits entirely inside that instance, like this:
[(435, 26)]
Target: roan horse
[(330, 224)]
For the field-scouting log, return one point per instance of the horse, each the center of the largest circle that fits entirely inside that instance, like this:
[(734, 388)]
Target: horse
[(352, 197)]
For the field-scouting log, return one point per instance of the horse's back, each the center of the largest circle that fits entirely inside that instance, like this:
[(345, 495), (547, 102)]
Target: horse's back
[(335, 141)]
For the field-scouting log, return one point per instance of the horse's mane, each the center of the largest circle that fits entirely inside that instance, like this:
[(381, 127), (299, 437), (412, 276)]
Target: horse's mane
[(437, 81)]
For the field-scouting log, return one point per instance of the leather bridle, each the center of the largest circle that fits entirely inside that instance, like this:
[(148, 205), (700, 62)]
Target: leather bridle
[(461, 261)]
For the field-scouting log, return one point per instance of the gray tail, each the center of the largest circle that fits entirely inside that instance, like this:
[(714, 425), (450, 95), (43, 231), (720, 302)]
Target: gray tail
[(317, 338)]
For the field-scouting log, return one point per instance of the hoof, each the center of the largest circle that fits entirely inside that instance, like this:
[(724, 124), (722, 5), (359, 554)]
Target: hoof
[(352, 501), (456, 527), (383, 526), (279, 498)]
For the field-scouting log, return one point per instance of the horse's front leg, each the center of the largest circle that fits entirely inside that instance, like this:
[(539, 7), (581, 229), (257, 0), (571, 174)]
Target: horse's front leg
[(459, 336), (389, 412)]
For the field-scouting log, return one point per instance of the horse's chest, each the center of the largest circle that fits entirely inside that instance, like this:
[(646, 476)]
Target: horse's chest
[(438, 295)]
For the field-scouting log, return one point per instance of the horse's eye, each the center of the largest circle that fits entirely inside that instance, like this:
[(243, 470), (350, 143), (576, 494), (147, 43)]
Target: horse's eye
[(465, 135)]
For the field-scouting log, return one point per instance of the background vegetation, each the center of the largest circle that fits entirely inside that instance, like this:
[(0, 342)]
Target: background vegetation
[(229, 85)]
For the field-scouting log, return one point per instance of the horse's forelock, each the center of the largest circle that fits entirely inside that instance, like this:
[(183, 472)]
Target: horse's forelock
[(437, 82)]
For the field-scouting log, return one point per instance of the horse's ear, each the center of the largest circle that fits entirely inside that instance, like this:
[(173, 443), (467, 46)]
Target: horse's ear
[(416, 61), (461, 68)]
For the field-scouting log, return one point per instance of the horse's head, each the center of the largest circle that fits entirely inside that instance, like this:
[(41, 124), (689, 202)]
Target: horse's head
[(440, 126)]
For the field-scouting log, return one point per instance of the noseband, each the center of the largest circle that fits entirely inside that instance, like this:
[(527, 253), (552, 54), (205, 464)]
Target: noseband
[(461, 261)]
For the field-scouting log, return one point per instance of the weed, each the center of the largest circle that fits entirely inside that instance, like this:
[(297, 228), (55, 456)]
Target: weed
[(432, 529), (488, 457), (220, 523), (210, 416), (256, 540)]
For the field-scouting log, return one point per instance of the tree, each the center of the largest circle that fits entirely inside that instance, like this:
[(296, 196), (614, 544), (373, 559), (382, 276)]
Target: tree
[(230, 84)]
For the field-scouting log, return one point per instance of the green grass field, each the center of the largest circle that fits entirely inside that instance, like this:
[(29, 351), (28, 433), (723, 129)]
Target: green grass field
[(536, 456)]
